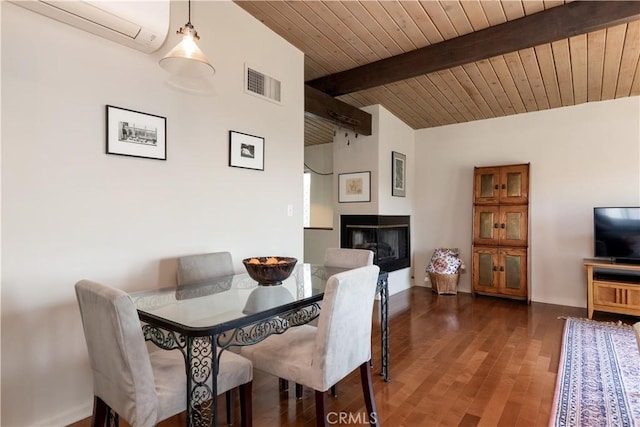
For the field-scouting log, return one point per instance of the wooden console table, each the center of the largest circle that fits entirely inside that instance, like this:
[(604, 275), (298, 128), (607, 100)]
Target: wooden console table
[(609, 290)]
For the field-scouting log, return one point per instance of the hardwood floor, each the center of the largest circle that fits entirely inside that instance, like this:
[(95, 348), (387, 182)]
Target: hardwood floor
[(455, 361)]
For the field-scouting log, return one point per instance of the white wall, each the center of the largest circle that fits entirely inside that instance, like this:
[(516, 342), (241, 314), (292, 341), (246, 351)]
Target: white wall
[(373, 153), (316, 242), (319, 162), (347, 154), (323, 233), (70, 211), (581, 157), (357, 154), (395, 135)]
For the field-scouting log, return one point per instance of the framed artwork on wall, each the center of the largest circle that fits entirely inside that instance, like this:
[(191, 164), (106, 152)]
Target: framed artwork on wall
[(136, 134), (354, 187), (246, 151), (398, 174)]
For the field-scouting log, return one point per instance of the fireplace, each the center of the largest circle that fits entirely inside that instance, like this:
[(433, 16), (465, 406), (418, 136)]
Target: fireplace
[(386, 235)]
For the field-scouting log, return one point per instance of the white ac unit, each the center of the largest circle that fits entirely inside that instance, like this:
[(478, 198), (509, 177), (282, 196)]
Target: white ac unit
[(142, 25)]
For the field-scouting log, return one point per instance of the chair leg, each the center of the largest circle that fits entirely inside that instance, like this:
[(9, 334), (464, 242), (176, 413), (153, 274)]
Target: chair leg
[(229, 399), (100, 410), (334, 390), (284, 384), (321, 409), (246, 405), (298, 391), (113, 419), (369, 398)]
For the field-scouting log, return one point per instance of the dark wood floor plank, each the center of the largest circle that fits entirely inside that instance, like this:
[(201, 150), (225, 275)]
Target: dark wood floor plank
[(455, 361)]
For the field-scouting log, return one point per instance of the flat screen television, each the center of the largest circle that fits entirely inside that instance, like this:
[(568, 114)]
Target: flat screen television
[(617, 233)]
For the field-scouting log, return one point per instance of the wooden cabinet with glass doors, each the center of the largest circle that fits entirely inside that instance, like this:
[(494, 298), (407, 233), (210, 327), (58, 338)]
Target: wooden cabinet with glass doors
[(499, 185), (501, 231), (495, 225), (500, 271)]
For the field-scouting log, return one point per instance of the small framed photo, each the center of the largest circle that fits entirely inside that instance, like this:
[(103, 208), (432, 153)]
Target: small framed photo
[(246, 151), (354, 187), (136, 134), (398, 174)]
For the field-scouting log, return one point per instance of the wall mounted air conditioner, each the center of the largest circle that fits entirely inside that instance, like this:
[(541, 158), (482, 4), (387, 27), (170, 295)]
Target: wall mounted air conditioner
[(142, 25)]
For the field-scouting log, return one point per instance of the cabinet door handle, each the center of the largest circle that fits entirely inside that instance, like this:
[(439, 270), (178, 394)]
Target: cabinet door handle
[(501, 268), (496, 225), (504, 186), (497, 186), (502, 225), (495, 268)]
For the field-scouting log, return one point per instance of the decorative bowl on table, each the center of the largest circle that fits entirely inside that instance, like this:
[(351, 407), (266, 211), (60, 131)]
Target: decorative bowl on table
[(269, 271)]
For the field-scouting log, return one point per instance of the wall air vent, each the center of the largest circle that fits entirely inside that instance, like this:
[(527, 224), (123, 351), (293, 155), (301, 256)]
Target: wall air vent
[(260, 84)]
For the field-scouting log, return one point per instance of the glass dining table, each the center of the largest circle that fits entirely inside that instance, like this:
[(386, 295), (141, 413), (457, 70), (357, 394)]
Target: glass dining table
[(203, 319)]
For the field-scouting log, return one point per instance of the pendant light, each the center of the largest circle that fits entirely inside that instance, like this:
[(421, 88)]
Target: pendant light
[(186, 59)]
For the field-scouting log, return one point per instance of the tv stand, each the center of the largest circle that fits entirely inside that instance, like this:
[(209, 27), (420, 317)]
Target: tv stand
[(612, 287)]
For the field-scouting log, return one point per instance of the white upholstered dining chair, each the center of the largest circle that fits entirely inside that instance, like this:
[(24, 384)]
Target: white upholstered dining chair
[(141, 387), (319, 357), (347, 258), (339, 258), (199, 267)]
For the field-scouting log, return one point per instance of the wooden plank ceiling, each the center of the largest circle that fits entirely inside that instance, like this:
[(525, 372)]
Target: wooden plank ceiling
[(340, 35)]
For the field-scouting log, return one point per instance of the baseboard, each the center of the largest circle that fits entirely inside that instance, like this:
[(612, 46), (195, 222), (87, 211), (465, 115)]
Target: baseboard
[(69, 416), (421, 285)]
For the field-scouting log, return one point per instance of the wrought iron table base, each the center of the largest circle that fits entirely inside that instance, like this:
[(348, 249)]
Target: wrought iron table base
[(202, 353), (202, 356), (383, 290)]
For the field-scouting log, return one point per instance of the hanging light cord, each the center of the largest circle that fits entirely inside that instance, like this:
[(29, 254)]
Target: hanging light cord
[(317, 173), (188, 27)]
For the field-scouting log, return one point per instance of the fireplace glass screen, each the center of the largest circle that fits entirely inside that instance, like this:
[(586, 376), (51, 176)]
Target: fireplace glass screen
[(388, 242)]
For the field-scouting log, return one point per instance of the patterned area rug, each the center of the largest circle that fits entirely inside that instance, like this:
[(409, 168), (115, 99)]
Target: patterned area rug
[(598, 381)]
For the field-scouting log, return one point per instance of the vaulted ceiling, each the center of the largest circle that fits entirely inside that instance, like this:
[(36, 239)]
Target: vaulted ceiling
[(351, 48)]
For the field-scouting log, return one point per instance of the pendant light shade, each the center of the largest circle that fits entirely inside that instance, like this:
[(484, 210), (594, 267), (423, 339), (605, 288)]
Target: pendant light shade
[(186, 59)]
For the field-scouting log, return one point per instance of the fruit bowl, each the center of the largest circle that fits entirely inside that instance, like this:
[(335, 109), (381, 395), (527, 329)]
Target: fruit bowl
[(269, 271)]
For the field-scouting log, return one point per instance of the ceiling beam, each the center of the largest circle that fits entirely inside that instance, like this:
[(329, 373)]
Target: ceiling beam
[(326, 107), (556, 23)]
